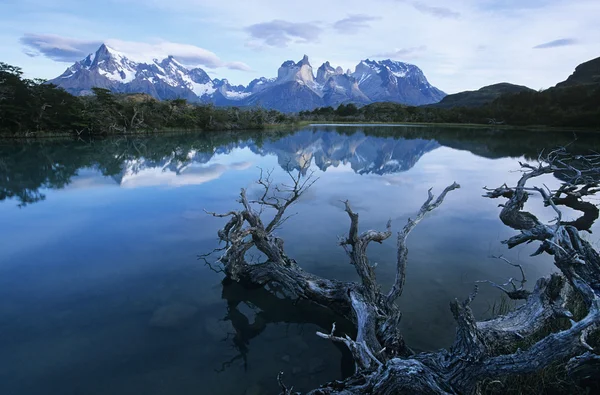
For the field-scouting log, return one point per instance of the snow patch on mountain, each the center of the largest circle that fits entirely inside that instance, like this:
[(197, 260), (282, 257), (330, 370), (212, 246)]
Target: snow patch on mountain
[(237, 95)]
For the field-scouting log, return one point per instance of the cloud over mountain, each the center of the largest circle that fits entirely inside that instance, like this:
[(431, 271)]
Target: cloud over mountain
[(67, 49), (402, 53), (353, 23), (279, 33), (60, 49)]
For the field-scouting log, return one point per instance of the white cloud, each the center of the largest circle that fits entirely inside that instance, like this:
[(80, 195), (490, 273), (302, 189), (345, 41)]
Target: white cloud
[(67, 49), (403, 53), (354, 23), (561, 42), (279, 33), (61, 49), (437, 11), (185, 53)]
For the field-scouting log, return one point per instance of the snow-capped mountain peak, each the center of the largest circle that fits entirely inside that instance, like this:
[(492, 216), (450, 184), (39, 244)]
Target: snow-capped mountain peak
[(164, 78), (384, 79), (295, 88)]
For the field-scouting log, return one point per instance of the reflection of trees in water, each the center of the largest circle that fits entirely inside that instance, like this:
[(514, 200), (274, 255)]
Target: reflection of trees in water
[(269, 309), (28, 167)]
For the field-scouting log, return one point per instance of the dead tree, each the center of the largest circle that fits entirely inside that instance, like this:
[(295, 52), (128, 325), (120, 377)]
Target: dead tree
[(482, 351)]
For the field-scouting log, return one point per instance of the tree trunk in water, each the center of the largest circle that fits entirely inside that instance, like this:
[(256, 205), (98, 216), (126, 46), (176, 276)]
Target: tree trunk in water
[(514, 344)]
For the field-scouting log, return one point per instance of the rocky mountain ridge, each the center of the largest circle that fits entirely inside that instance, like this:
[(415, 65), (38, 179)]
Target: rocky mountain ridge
[(295, 88)]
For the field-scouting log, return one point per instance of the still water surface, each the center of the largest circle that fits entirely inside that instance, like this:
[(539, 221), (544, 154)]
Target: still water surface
[(101, 291)]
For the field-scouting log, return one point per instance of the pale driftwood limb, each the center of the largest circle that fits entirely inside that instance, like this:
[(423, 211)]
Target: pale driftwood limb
[(284, 389), (402, 260), (544, 305), (356, 248), (363, 356)]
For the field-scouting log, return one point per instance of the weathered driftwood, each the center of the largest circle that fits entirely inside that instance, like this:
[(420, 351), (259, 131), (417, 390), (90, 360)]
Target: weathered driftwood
[(482, 351)]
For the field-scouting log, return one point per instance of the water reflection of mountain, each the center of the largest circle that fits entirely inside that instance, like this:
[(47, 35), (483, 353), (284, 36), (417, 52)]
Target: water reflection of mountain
[(27, 168), (365, 154)]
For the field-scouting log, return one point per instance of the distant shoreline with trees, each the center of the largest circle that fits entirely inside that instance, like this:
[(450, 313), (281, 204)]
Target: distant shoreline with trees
[(34, 108)]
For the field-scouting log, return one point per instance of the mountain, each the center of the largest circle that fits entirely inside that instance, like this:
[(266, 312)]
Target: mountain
[(585, 74), (113, 70), (480, 97), (399, 82), (294, 89)]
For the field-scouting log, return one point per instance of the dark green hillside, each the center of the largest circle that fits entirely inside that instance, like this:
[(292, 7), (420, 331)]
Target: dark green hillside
[(480, 97), (585, 73)]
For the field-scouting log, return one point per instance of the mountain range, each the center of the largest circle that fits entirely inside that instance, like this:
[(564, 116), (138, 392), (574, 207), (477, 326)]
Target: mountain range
[(295, 88)]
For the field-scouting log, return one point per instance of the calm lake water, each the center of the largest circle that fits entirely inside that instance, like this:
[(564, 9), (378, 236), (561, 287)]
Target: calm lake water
[(101, 291)]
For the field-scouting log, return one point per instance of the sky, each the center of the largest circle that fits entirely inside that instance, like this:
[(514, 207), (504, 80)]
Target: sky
[(460, 45)]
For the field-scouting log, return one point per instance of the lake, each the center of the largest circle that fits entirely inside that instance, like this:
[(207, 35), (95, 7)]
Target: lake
[(102, 292)]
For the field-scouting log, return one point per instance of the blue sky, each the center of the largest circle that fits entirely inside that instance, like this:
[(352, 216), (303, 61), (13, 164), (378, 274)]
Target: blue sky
[(460, 45)]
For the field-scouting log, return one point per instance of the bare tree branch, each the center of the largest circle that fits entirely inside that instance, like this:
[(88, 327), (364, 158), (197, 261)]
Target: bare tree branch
[(402, 255), (519, 293)]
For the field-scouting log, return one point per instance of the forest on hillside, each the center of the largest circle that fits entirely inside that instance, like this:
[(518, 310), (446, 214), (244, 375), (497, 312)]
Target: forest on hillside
[(572, 106)]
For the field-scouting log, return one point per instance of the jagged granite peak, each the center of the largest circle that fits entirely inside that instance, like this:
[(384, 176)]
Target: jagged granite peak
[(300, 72), (390, 80), (304, 61), (294, 89), (324, 72)]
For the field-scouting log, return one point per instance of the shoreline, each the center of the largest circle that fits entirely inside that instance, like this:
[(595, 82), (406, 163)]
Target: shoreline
[(267, 129), (533, 128)]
